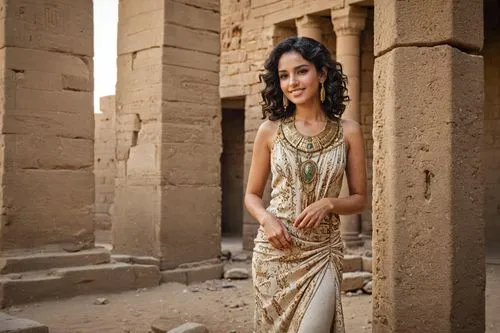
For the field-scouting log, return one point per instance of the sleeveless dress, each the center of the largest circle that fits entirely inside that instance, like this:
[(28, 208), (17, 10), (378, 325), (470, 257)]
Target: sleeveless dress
[(304, 169)]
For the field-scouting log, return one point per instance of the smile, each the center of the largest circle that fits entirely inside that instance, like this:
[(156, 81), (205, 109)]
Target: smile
[(296, 92)]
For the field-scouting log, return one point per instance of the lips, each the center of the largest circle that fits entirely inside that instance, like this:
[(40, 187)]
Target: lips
[(296, 92)]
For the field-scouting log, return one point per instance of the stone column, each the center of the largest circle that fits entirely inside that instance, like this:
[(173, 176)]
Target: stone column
[(428, 191), (47, 127), (348, 23), (310, 26), (167, 199), (104, 162)]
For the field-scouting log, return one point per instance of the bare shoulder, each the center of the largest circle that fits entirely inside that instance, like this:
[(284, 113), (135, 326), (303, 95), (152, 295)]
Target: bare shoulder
[(267, 131), (352, 132), (351, 127)]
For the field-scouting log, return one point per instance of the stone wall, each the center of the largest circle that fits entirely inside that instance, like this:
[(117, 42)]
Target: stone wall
[(104, 162), (491, 151), (47, 189)]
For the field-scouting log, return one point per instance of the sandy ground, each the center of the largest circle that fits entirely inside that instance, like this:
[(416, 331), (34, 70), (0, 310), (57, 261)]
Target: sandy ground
[(222, 310)]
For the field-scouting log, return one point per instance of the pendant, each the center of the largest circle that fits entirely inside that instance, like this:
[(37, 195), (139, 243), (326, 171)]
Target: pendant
[(308, 172)]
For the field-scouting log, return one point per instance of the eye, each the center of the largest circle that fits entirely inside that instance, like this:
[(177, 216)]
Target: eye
[(302, 71), (283, 76)]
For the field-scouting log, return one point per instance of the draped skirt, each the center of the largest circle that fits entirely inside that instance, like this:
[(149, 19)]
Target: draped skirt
[(286, 281)]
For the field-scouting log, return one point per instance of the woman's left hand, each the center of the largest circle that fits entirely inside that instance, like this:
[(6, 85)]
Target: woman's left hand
[(312, 216)]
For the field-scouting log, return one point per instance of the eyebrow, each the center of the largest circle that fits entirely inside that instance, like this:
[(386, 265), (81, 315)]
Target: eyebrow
[(296, 67)]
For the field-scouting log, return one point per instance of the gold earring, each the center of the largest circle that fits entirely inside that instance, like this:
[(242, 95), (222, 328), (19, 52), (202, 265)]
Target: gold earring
[(322, 93), (285, 102)]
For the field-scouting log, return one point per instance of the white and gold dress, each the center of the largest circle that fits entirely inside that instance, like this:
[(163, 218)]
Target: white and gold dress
[(304, 169)]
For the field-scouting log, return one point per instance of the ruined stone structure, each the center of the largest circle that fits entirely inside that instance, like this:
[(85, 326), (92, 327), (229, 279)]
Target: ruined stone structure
[(428, 184), (104, 162), (167, 107), (167, 194), (186, 65)]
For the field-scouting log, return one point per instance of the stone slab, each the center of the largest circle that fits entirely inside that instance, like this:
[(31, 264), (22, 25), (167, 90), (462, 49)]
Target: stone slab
[(68, 282), (193, 274), (428, 22), (11, 324), (136, 260), (352, 263), (58, 202), (55, 25), (355, 280), (192, 214), (367, 264), (43, 261)]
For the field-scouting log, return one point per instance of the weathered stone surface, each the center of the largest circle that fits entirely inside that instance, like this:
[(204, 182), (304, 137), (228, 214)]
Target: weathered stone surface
[(428, 191), (66, 282), (161, 326), (135, 220), (167, 95), (47, 199), (367, 288), (105, 162), (352, 263), (367, 264), (47, 70), (236, 274), (453, 22), (196, 209), (53, 25), (43, 261), (355, 280), (193, 274), (11, 324)]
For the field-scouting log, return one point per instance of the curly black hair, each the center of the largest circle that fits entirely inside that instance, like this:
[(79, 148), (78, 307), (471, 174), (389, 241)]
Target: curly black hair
[(316, 53)]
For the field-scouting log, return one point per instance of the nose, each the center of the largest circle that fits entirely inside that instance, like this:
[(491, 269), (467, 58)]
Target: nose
[(292, 81)]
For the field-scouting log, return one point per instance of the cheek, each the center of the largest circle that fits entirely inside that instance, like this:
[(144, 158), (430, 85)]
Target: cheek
[(283, 85)]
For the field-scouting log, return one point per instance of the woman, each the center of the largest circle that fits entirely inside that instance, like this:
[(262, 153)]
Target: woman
[(297, 261)]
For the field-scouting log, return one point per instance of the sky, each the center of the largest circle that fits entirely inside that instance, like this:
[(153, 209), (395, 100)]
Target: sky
[(105, 37)]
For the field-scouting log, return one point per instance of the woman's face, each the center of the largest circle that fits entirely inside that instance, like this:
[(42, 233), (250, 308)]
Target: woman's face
[(299, 79)]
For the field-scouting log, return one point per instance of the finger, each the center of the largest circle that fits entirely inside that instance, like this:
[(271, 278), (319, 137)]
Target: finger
[(304, 222), (299, 219), (276, 244), (283, 241), (288, 237)]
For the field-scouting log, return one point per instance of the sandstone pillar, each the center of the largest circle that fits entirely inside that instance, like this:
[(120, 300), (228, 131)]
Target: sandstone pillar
[(348, 23), (167, 199), (309, 26), (428, 192), (104, 162), (47, 126)]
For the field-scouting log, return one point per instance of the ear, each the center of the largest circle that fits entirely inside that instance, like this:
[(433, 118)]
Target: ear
[(323, 73)]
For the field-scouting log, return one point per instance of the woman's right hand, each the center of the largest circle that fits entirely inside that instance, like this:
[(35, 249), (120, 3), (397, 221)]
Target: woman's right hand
[(276, 233)]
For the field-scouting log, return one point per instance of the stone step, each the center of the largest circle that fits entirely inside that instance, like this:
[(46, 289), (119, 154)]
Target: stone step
[(49, 260), (11, 324), (70, 281), (355, 280)]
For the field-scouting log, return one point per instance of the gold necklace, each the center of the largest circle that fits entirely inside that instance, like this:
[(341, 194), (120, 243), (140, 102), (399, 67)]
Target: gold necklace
[(307, 146)]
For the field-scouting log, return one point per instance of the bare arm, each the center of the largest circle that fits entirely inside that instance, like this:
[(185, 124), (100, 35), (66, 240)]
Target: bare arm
[(355, 202), (258, 174), (257, 178)]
